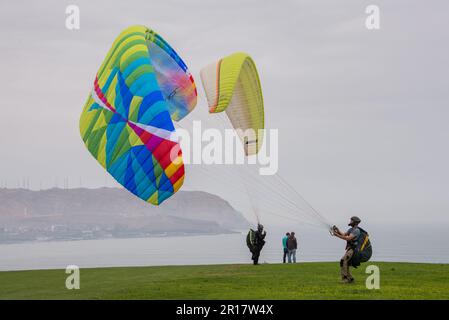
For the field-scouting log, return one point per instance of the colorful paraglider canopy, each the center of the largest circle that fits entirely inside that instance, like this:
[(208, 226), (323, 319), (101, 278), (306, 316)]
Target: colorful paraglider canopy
[(127, 121), (232, 85)]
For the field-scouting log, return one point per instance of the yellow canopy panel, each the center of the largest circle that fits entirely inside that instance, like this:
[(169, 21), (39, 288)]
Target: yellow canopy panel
[(232, 85)]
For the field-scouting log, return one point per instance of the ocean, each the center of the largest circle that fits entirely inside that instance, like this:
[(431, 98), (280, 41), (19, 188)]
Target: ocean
[(429, 244)]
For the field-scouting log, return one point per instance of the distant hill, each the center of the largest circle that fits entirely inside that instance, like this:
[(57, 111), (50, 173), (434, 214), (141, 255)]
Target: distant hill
[(59, 214)]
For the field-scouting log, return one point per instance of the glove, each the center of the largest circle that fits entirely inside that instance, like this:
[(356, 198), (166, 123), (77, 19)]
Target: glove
[(335, 229)]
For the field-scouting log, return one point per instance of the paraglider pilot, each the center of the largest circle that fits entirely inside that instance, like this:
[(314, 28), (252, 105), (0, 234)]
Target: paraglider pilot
[(351, 237), (258, 243)]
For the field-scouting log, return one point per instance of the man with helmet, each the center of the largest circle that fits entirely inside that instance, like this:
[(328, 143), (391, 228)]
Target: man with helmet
[(352, 237)]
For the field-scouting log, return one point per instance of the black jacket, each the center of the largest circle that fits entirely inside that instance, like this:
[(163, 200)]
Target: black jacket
[(260, 236), (292, 243)]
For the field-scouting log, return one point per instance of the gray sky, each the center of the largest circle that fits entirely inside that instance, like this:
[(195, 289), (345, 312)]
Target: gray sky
[(363, 115)]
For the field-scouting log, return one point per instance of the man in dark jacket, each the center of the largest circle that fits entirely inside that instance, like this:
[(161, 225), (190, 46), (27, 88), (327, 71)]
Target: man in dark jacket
[(292, 245), (259, 242), (351, 237)]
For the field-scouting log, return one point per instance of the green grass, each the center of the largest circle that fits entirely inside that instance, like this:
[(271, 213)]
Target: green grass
[(266, 281)]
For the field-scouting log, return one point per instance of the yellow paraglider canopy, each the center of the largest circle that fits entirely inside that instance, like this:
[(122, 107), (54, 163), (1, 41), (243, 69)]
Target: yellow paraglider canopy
[(232, 84)]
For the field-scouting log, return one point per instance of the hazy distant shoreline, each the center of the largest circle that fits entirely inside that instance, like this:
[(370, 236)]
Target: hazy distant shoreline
[(137, 236), (105, 213)]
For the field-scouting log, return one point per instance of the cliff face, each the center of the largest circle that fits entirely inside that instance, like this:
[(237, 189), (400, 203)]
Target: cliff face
[(110, 212)]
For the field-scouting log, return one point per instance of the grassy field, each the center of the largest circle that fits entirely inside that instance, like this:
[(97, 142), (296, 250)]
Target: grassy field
[(267, 281)]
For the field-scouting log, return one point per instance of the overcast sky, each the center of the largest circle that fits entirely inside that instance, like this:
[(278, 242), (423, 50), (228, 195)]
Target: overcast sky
[(363, 115)]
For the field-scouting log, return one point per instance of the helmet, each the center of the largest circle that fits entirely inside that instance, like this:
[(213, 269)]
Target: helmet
[(355, 219)]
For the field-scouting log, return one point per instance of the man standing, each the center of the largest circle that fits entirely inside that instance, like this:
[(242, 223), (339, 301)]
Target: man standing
[(292, 245), (284, 245), (351, 237)]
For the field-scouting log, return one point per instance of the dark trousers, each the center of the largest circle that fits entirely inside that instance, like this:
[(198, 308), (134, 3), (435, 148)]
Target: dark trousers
[(255, 257), (285, 255)]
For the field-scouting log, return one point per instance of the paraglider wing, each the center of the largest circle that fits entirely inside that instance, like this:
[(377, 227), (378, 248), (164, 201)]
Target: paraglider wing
[(232, 85), (127, 121)]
